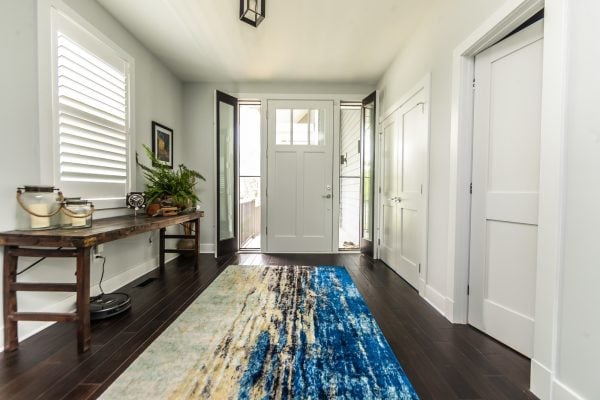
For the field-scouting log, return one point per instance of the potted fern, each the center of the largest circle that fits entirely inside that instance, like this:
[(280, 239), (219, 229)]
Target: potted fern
[(170, 187)]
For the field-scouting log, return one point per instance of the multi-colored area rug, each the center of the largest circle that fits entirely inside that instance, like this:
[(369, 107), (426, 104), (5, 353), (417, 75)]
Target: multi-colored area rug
[(261, 332)]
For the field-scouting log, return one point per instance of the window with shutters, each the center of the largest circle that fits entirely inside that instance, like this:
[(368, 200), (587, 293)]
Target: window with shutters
[(91, 114)]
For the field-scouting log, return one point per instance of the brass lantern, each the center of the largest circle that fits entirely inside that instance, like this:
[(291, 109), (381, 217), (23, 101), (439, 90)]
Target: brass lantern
[(252, 11)]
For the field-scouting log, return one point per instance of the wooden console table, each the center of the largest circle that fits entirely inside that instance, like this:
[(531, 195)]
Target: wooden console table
[(76, 243)]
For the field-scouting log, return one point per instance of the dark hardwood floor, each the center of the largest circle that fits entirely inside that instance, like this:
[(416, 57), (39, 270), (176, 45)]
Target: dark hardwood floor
[(443, 361)]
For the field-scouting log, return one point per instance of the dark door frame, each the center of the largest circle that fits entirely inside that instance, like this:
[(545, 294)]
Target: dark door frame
[(366, 245), (231, 245)]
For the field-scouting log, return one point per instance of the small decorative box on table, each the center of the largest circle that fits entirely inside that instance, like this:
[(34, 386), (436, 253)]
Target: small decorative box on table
[(76, 243)]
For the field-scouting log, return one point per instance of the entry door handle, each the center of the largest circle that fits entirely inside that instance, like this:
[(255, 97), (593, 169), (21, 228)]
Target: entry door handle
[(327, 196)]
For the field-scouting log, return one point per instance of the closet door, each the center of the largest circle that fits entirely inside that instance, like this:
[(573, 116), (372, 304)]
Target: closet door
[(504, 211), (404, 152)]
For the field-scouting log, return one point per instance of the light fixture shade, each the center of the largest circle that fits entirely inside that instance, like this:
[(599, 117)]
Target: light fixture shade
[(252, 11)]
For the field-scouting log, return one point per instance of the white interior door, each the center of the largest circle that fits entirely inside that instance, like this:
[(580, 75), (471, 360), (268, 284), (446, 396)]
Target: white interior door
[(404, 158), (388, 242), (300, 167), (506, 147)]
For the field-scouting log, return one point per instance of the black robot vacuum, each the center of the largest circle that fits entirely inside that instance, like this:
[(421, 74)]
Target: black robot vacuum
[(108, 305)]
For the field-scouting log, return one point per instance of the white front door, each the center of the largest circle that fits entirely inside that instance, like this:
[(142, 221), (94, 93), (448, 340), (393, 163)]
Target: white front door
[(300, 182), (506, 147), (404, 157)]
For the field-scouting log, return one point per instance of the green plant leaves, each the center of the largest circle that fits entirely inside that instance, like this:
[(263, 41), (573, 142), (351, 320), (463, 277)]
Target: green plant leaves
[(178, 184)]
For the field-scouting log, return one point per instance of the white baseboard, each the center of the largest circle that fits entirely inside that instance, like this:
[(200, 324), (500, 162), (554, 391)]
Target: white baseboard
[(435, 298), (449, 310), (207, 248), (560, 391), (68, 304), (546, 387), (541, 380), (422, 286)]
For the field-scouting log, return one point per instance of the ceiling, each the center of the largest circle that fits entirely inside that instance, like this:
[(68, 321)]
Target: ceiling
[(334, 41)]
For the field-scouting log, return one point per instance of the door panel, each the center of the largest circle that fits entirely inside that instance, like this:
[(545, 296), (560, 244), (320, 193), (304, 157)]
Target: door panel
[(283, 222), (300, 166), (314, 215), (413, 167), (389, 181), (506, 148), (227, 150), (409, 247)]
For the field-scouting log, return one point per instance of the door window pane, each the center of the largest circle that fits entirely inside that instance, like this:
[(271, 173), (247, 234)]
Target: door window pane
[(300, 127), (283, 127), (317, 136)]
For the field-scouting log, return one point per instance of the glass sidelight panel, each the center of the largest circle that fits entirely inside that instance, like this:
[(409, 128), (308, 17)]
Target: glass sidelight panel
[(249, 174), (349, 229), (227, 168), (368, 174)]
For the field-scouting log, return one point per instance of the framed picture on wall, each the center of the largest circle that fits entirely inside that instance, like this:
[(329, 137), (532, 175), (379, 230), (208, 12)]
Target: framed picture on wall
[(162, 143)]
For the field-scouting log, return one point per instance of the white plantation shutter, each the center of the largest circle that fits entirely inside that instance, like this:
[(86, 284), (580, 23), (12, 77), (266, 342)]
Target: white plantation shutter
[(91, 115)]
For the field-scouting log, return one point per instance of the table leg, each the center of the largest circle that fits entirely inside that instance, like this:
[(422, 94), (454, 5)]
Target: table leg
[(161, 250), (84, 331), (197, 240), (11, 338)]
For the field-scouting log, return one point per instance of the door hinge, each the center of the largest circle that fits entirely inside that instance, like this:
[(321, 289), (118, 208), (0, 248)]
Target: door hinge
[(359, 146), (468, 290), (379, 189), (378, 242), (419, 268), (421, 188), (267, 230), (474, 83), (471, 188)]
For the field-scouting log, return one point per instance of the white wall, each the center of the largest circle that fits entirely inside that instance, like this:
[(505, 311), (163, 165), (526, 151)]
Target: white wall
[(579, 319), (158, 96), (430, 51), (198, 125)]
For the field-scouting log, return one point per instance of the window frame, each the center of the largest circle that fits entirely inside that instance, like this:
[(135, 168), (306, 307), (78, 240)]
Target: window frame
[(54, 15)]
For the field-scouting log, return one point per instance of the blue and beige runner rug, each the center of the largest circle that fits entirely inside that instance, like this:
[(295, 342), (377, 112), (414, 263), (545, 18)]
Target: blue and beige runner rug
[(261, 332)]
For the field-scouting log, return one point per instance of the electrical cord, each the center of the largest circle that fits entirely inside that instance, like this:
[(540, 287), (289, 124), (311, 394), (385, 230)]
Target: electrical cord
[(34, 264), (101, 279), (102, 274)]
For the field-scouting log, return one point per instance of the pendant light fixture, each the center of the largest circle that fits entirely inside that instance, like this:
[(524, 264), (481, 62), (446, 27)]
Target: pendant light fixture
[(252, 11)]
